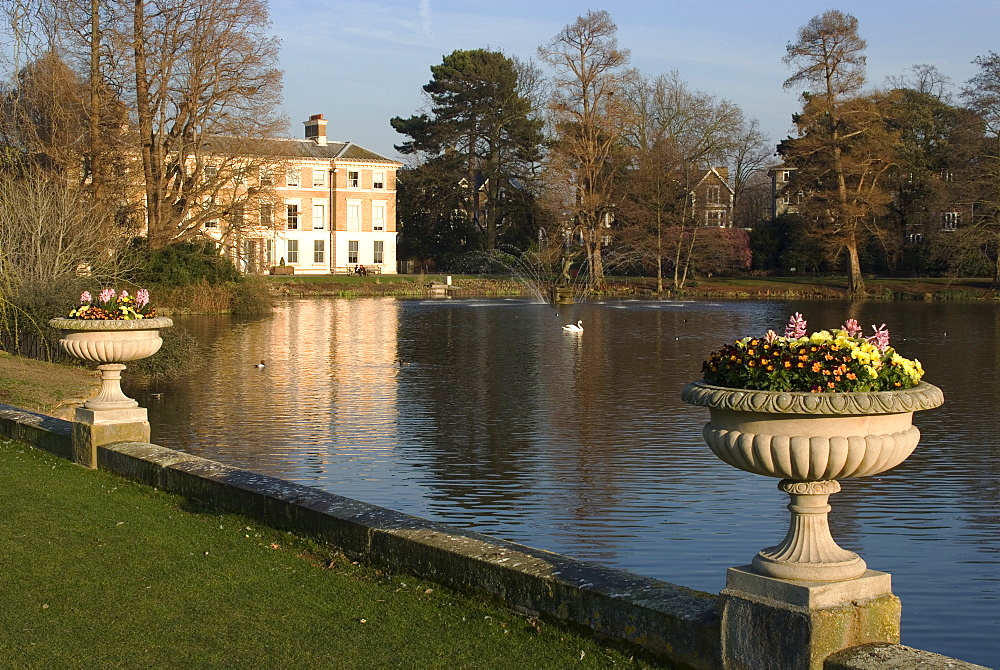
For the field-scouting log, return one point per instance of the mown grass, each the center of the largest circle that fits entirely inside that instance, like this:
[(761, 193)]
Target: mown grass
[(101, 572)]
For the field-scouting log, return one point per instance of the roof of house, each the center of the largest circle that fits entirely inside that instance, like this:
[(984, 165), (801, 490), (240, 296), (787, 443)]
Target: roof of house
[(295, 148), (708, 174)]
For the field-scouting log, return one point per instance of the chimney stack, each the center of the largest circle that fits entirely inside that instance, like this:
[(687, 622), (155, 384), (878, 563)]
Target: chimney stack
[(316, 129)]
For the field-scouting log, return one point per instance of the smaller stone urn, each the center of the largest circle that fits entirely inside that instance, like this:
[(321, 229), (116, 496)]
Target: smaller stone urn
[(811, 440), (111, 343)]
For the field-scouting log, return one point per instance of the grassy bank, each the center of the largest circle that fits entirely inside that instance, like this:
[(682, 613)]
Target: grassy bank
[(753, 288), (48, 388), (102, 572)]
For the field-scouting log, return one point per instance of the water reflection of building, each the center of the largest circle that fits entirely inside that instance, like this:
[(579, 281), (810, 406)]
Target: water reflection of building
[(329, 385)]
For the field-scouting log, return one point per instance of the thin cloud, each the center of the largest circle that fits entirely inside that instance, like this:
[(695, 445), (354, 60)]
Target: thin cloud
[(425, 15)]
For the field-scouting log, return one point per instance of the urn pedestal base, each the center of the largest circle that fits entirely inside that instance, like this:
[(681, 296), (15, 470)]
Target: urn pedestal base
[(779, 624), (95, 428)]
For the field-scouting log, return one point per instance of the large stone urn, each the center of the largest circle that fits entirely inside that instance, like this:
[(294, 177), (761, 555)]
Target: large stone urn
[(811, 440), (111, 343)]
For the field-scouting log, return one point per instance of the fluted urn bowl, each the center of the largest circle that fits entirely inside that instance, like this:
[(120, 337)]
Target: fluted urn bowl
[(111, 343), (810, 440)]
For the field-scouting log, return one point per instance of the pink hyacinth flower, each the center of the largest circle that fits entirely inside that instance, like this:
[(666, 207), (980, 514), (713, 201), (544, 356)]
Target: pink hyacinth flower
[(881, 337), (142, 298), (106, 295), (796, 326), (123, 295), (852, 328), (770, 337), (85, 297)]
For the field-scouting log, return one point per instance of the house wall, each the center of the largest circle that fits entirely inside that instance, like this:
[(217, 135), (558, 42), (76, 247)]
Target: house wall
[(333, 233), (709, 211)]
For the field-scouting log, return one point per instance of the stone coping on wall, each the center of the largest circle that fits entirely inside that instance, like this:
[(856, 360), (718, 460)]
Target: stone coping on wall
[(668, 621)]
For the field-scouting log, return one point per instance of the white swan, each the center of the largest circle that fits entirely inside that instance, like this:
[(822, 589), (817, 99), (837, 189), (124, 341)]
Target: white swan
[(571, 328)]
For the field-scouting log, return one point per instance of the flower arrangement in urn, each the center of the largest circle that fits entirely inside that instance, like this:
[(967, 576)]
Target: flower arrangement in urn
[(114, 306), (826, 361), (812, 409)]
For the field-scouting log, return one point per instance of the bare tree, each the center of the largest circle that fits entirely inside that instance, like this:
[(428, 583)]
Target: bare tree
[(924, 78), (50, 230), (843, 149), (171, 85), (675, 135), (982, 94), (202, 70), (749, 157), (587, 110)]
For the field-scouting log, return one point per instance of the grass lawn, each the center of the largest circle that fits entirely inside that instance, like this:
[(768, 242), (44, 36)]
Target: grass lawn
[(101, 572)]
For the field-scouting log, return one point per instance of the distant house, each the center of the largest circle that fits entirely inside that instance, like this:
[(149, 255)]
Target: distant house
[(712, 199), (333, 207), (783, 199)]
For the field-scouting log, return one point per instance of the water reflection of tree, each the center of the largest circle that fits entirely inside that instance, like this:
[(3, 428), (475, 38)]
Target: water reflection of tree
[(470, 431)]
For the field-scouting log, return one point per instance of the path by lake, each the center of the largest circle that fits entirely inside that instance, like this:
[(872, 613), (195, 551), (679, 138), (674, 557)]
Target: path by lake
[(484, 413)]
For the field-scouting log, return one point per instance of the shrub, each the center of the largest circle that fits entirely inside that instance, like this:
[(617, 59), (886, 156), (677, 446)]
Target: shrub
[(178, 350), (188, 263), (251, 297)]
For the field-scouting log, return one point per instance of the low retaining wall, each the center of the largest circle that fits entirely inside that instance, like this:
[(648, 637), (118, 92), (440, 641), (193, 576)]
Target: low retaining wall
[(668, 621)]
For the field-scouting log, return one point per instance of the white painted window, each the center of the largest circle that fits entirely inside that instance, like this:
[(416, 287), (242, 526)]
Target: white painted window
[(292, 251), (319, 178), (352, 251), (379, 252), (353, 179), (319, 216), (268, 252), (712, 195), (354, 215), (293, 177), (715, 218), (950, 220), (378, 215), (292, 216), (266, 215), (378, 180), (319, 252)]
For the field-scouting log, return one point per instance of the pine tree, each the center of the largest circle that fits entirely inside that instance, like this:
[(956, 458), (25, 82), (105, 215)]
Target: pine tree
[(482, 133)]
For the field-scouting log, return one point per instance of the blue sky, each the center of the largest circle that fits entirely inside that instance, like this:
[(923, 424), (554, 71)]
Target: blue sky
[(360, 63)]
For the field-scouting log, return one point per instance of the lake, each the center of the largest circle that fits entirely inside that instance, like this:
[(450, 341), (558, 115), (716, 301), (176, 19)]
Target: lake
[(485, 414)]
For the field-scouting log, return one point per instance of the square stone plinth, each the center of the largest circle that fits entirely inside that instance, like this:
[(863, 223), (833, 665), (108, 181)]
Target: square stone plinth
[(795, 625), (94, 428)]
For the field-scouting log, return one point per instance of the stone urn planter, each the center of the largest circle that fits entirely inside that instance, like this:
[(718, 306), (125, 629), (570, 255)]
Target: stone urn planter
[(811, 440), (111, 343)]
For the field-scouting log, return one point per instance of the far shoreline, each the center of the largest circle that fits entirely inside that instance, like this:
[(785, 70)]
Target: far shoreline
[(966, 289)]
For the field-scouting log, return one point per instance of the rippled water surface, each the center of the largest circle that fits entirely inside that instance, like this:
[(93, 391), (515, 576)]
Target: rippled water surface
[(484, 413)]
